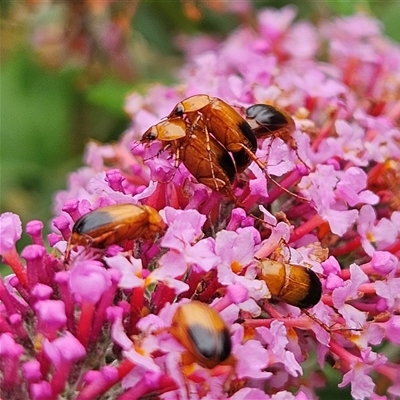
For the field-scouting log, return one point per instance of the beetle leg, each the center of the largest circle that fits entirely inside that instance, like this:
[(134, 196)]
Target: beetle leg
[(66, 258), (209, 157), (294, 147), (195, 123), (164, 148), (68, 252), (291, 142), (319, 322), (263, 168), (278, 255), (276, 183), (88, 242), (186, 367), (177, 157), (269, 147)]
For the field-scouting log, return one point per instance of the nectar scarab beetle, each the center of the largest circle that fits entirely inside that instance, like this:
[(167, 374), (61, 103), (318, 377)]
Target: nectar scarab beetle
[(114, 224), (223, 122), (292, 284), (201, 330)]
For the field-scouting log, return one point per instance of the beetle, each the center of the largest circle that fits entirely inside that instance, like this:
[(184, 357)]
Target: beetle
[(228, 127), (201, 330), (222, 121), (270, 121), (266, 120), (204, 157), (114, 224), (293, 284), (168, 130), (211, 164)]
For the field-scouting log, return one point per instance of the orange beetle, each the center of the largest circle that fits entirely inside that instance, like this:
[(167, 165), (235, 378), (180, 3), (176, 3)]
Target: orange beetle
[(114, 224), (168, 130), (229, 128), (293, 284), (205, 158), (201, 330), (211, 164), (222, 121)]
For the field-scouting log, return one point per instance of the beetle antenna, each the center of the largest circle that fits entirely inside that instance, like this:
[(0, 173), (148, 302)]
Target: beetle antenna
[(276, 183), (136, 143), (329, 328), (68, 252), (291, 143), (263, 168), (261, 220)]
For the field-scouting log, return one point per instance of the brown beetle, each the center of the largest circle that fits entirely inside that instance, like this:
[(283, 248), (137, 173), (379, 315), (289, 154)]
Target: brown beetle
[(205, 158), (292, 284), (270, 121), (229, 128), (200, 329), (223, 122), (114, 224)]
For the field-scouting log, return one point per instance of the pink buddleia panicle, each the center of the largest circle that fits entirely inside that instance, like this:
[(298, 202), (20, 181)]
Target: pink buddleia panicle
[(98, 321)]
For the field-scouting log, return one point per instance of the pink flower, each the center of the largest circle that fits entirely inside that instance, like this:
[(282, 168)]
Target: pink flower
[(130, 268), (388, 290), (361, 383), (319, 187), (10, 353), (350, 291), (249, 394), (275, 23), (56, 350), (182, 238), (392, 329), (184, 227), (382, 232), (41, 391), (326, 203), (350, 288), (10, 231), (51, 317), (252, 359), (89, 281), (350, 188), (276, 339), (63, 353), (142, 359)]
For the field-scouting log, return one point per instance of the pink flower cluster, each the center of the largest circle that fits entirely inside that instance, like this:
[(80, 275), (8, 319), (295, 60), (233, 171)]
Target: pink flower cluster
[(97, 327)]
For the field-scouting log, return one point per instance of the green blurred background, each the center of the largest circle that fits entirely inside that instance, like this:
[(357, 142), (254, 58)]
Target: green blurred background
[(60, 86)]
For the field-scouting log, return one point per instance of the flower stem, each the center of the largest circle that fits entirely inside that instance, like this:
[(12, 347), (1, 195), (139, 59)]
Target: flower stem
[(350, 246), (12, 259), (85, 322), (307, 227)]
